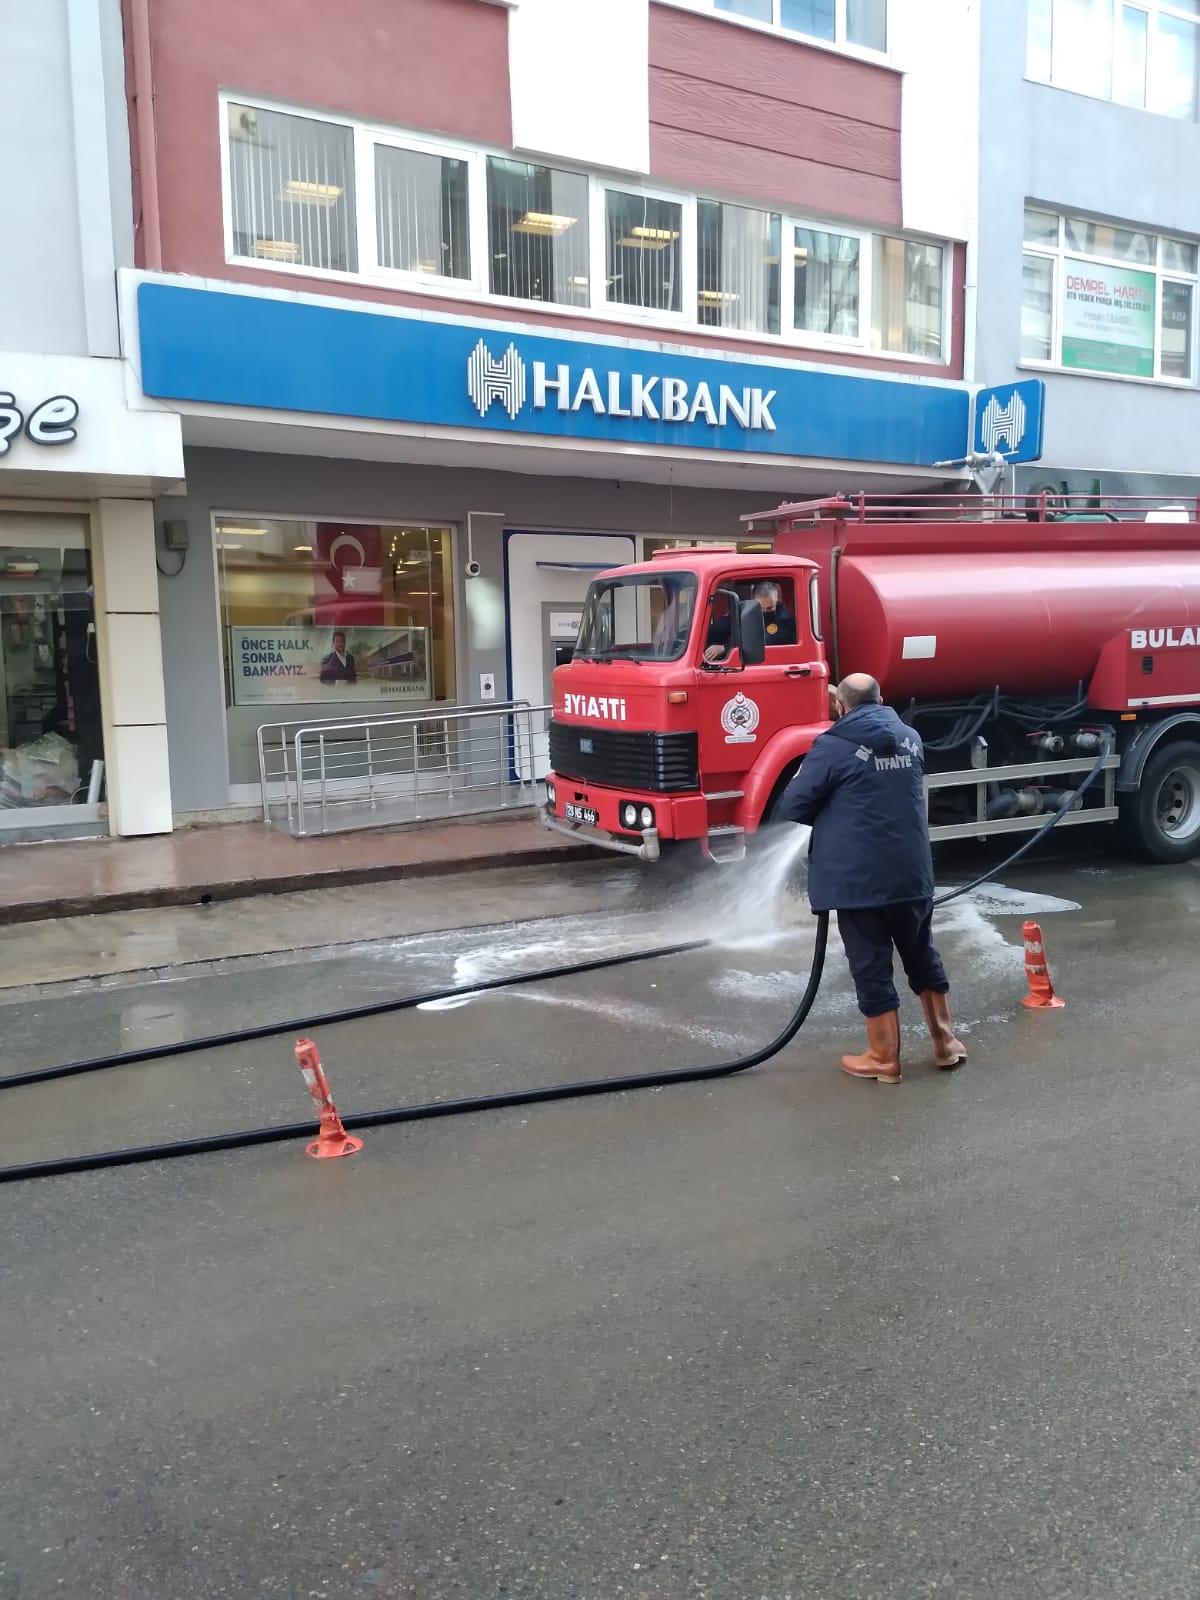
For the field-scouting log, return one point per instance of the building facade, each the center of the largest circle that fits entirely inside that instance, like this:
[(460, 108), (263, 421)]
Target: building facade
[(498, 294), (83, 453), (1089, 235)]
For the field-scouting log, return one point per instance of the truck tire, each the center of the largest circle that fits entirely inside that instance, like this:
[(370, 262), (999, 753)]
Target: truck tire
[(1161, 819)]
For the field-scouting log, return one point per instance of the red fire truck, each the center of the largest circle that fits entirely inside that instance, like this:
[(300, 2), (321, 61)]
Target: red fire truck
[(1016, 635)]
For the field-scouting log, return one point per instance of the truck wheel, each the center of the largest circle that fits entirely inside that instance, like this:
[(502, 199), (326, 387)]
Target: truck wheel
[(1163, 816)]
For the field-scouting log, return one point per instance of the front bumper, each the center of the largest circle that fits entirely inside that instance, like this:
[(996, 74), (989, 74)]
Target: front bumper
[(648, 850)]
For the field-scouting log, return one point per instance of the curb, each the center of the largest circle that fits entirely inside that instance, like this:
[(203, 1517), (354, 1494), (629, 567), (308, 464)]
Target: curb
[(202, 894)]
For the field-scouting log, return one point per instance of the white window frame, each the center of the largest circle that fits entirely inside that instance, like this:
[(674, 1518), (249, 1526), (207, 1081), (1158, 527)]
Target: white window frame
[(1057, 255), (366, 138), (256, 102), (1152, 10), (599, 309), (601, 305), (839, 44)]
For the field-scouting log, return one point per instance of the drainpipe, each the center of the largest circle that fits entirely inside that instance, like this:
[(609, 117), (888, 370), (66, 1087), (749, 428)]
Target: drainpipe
[(147, 143)]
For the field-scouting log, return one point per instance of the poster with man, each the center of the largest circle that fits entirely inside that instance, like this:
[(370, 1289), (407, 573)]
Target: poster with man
[(312, 664)]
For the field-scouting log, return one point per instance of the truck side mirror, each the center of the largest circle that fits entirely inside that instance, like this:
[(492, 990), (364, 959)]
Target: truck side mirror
[(753, 633)]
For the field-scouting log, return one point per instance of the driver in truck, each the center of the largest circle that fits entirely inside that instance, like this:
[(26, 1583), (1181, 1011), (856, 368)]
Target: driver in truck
[(860, 789), (781, 624)]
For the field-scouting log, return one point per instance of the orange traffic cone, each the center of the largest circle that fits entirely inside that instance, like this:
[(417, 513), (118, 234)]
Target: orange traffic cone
[(1037, 973), (334, 1140)]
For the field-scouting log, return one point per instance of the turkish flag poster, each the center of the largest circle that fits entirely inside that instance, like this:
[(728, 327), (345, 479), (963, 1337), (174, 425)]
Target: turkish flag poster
[(348, 574)]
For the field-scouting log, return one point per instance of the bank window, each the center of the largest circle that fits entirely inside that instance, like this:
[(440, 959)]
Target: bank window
[(856, 22), (826, 282), (1106, 299), (907, 297), (422, 212), (538, 232), (291, 189), (1140, 53), (643, 253), (467, 223), (352, 617), (737, 252)]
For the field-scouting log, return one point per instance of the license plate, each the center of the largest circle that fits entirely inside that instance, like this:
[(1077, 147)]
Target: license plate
[(586, 814)]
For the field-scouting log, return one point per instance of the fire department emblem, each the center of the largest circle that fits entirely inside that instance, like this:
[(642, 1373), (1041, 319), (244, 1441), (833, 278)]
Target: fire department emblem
[(739, 719)]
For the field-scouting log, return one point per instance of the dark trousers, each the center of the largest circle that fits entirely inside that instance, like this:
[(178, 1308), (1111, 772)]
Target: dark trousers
[(870, 936)]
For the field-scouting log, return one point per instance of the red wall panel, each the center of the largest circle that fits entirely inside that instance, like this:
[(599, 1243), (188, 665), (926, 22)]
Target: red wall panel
[(436, 64), (738, 111)]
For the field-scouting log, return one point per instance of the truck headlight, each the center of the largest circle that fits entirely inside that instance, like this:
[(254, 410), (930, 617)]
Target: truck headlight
[(629, 814), (550, 793), (647, 817)]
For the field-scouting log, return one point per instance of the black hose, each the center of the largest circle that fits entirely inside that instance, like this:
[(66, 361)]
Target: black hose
[(374, 1008), (449, 1108)]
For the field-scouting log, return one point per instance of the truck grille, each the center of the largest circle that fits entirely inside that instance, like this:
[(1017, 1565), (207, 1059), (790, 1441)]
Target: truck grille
[(661, 763)]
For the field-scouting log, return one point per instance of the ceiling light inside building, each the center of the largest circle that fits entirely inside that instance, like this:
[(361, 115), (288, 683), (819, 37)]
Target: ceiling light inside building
[(544, 222), (304, 192), (276, 250), (239, 530)]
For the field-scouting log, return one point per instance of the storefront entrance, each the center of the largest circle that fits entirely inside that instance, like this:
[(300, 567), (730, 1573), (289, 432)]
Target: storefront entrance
[(51, 734)]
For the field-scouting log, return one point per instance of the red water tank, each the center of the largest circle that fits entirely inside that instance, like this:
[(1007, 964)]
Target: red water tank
[(943, 611)]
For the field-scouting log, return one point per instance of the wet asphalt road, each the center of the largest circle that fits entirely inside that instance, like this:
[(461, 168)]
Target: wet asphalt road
[(783, 1334)]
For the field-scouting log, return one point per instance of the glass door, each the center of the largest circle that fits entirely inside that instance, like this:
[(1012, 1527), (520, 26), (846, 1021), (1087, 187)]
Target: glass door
[(51, 733)]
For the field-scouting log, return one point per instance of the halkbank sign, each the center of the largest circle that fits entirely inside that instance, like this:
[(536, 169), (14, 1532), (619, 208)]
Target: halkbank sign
[(252, 349)]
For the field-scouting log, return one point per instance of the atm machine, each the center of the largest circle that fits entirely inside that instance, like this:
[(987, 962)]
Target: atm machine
[(560, 629)]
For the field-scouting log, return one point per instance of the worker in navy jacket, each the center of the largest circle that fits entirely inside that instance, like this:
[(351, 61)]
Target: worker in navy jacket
[(860, 788)]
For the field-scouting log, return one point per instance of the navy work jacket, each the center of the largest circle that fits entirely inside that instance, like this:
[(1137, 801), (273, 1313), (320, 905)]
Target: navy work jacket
[(860, 788)]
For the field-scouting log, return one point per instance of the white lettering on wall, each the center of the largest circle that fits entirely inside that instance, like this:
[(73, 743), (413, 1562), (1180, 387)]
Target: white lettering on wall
[(50, 423), (657, 398)]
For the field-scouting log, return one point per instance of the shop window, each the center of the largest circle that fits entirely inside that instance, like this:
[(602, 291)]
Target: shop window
[(908, 297), (642, 251), (1108, 300), (421, 212), (350, 617), (51, 740), (538, 232), (738, 267), (291, 189), (826, 283), (1141, 53)]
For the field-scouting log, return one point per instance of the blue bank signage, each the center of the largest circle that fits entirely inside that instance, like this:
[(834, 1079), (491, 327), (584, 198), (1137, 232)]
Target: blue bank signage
[(225, 348), (1010, 420)]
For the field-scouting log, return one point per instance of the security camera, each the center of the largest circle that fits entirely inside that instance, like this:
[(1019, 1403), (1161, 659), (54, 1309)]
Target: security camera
[(473, 569)]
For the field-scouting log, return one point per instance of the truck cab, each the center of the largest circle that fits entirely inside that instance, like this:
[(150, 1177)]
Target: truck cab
[(697, 684)]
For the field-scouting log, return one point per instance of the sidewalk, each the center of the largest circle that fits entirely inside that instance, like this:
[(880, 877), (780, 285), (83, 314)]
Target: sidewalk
[(75, 877)]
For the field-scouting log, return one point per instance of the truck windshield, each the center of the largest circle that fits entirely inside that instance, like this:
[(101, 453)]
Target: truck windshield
[(642, 617)]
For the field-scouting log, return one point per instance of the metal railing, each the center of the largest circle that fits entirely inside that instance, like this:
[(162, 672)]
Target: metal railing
[(441, 761)]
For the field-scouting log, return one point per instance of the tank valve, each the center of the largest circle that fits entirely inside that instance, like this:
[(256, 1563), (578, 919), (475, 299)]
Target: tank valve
[(1087, 741), (1014, 803), (1050, 744), (1055, 799)]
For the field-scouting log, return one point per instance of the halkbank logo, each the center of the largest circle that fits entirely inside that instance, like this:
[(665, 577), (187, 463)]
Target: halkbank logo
[(1004, 422), (507, 379)]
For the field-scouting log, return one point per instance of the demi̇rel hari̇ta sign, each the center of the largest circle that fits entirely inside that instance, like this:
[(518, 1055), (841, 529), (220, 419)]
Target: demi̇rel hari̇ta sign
[(307, 665), (1108, 319)]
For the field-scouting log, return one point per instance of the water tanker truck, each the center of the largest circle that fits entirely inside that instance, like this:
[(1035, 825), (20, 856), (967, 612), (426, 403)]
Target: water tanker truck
[(1019, 637)]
